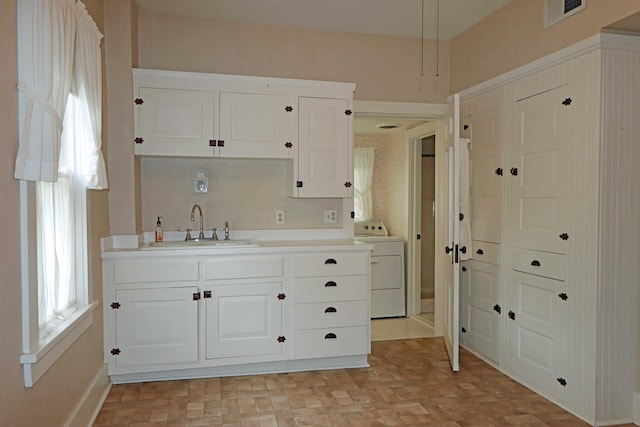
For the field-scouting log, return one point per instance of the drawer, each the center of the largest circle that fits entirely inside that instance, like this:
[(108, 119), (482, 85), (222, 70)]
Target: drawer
[(544, 264), (330, 314), (486, 252), (160, 270), (330, 264), (329, 342), (325, 289), (242, 267)]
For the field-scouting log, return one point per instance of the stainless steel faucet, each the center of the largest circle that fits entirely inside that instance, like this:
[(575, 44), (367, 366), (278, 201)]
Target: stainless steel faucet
[(226, 230), (193, 211)]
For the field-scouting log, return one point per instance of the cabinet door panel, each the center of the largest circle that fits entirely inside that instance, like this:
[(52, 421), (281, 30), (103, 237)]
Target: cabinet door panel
[(537, 347), (539, 187), (255, 125), (243, 320), (175, 122), (324, 156), (156, 326)]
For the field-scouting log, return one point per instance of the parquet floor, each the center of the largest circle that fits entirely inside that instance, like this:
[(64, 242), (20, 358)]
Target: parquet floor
[(409, 382)]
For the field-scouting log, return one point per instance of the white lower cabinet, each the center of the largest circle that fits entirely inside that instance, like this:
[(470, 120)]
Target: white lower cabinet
[(169, 317), (155, 326)]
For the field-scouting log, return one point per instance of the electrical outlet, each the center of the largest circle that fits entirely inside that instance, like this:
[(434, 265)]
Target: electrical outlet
[(279, 217), (330, 216)]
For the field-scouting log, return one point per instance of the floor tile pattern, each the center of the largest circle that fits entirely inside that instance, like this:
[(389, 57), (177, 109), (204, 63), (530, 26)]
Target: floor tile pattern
[(409, 382)]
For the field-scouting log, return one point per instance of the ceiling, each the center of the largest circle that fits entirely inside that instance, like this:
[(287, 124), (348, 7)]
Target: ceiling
[(389, 17), (442, 18)]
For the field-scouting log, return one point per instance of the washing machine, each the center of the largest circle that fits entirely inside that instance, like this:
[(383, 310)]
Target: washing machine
[(388, 290)]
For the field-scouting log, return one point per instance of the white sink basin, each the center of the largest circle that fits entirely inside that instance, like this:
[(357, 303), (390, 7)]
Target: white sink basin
[(188, 244)]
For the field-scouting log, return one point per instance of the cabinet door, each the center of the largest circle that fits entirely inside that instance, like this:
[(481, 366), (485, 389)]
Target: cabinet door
[(255, 125), (174, 122), (325, 165), (537, 333), (156, 326), (243, 320), (540, 171), (480, 311)]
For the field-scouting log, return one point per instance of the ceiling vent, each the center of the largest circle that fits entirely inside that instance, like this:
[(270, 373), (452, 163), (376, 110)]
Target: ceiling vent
[(557, 10)]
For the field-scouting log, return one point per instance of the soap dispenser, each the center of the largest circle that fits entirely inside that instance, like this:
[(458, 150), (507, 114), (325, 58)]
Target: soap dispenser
[(159, 233)]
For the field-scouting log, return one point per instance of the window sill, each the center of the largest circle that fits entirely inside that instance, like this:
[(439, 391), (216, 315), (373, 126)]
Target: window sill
[(35, 364)]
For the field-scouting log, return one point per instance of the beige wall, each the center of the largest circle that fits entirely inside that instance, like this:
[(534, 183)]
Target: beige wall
[(515, 35), (384, 68), (245, 192), (53, 398), (390, 179)]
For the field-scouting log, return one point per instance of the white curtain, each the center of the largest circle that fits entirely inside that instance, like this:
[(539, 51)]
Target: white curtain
[(87, 86), (45, 70), (363, 181)]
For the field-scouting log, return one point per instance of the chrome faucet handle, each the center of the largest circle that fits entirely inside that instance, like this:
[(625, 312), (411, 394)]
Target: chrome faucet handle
[(226, 230), (215, 233), (188, 236)]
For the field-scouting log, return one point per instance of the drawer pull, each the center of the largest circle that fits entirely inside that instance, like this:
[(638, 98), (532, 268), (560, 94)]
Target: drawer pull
[(535, 263), (330, 310), (480, 252), (330, 261), (330, 336), (330, 284)]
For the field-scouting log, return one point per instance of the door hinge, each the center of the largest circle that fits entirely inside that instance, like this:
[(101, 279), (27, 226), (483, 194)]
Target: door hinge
[(499, 171), (464, 331), (196, 296), (567, 101), (562, 382), (564, 236), (115, 305), (207, 294), (299, 184), (514, 171), (563, 296), (281, 296), (138, 140), (512, 315), (139, 101), (281, 339), (115, 351)]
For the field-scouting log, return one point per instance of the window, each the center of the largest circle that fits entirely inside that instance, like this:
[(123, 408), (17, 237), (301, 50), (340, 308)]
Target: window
[(59, 158), (363, 183)]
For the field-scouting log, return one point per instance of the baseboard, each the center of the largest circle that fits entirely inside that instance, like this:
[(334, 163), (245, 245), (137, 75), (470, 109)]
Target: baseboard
[(87, 409)]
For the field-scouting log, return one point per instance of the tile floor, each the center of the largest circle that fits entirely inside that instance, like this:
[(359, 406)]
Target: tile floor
[(409, 382)]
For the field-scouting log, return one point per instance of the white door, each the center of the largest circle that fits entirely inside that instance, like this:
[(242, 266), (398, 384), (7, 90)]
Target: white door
[(325, 164), (255, 125), (448, 256)]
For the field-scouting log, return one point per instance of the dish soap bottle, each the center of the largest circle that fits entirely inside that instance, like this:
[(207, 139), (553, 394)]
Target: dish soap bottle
[(159, 233)]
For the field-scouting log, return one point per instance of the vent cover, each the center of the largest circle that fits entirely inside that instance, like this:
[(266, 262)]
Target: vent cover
[(557, 10)]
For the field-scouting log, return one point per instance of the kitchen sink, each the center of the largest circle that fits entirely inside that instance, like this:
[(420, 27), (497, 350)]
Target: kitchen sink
[(205, 243)]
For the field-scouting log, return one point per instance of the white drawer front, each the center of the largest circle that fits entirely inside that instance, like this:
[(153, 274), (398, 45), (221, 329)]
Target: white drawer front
[(321, 289), (544, 264), (486, 252), (330, 263), (161, 270), (329, 342), (330, 314), (242, 267)]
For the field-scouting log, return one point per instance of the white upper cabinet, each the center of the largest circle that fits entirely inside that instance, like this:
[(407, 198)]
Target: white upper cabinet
[(173, 122), (325, 165), (255, 126)]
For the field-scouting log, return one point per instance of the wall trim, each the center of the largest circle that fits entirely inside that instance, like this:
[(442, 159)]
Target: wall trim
[(399, 109), (89, 405), (602, 40)]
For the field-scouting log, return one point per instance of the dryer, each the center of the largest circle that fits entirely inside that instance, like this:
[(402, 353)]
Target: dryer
[(388, 290)]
